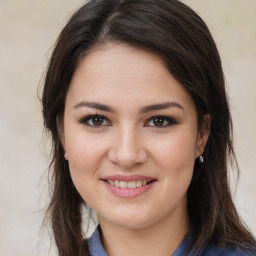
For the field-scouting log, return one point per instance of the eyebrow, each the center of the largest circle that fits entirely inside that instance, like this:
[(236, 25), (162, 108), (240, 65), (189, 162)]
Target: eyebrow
[(142, 110), (94, 105), (160, 106)]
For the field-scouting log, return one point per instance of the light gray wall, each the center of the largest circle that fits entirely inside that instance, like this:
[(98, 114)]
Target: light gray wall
[(28, 30)]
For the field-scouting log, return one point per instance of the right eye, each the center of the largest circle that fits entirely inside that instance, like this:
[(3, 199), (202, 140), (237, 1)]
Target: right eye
[(161, 121), (96, 121)]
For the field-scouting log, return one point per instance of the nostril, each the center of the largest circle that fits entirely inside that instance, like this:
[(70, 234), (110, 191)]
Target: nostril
[(127, 158)]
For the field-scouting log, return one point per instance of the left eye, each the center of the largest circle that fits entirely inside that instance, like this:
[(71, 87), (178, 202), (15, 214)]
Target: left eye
[(160, 121), (95, 121)]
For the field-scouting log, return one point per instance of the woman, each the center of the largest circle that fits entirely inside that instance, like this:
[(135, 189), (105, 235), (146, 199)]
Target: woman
[(135, 101)]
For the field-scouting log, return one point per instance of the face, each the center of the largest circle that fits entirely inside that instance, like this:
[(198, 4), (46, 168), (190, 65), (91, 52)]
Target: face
[(131, 137)]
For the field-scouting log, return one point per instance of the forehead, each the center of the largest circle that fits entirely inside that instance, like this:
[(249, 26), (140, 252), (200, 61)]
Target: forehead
[(117, 72)]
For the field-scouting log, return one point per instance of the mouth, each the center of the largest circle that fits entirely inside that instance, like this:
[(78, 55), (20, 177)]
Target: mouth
[(128, 186)]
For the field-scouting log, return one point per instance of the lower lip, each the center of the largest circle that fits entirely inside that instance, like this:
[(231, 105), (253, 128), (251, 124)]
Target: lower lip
[(128, 192)]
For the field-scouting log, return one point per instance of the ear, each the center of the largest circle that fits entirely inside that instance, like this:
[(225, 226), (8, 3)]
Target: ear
[(203, 135), (60, 129)]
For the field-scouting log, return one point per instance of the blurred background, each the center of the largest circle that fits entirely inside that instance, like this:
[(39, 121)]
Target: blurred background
[(28, 30)]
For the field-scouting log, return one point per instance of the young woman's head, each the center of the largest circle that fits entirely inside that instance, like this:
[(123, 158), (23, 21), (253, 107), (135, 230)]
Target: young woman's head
[(136, 88)]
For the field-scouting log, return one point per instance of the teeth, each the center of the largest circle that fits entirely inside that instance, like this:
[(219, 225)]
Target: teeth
[(132, 184), (123, 184), (129, 184), (138, 183)]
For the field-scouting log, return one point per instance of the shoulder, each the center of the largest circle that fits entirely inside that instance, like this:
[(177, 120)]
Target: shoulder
[(230, 251)]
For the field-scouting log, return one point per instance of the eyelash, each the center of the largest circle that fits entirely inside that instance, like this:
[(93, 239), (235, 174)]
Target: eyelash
[(87, 119), (167, 121)]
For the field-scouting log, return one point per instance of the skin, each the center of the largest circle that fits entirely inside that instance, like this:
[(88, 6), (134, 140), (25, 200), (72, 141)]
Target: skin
[(128, 141)]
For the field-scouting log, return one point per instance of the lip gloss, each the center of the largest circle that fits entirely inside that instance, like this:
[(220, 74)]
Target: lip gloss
[(129, 192)]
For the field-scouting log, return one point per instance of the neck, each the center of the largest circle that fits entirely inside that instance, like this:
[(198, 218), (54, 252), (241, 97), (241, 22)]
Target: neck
[(161, 239)]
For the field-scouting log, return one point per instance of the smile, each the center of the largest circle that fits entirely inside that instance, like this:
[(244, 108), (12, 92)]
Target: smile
[(128, 186)]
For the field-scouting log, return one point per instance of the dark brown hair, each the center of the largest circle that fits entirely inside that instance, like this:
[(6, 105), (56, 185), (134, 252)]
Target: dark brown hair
[(176, 34)]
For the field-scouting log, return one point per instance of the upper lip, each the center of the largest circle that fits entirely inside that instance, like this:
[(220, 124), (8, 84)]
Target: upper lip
[(134, 177)]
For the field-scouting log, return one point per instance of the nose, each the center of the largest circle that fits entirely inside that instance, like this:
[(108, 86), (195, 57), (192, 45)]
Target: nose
[(127, 149)]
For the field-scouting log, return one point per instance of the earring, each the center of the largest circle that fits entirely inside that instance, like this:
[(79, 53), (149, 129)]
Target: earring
[(201, 159), (66, 154)]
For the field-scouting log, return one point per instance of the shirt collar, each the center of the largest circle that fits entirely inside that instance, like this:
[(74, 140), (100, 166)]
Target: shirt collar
[(95, 245), (96, 248)]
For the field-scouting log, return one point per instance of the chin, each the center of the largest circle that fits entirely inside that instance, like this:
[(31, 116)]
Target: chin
[(128, 220)]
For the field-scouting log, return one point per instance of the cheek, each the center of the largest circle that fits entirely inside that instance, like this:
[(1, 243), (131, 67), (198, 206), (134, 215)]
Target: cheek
[(86, 154), (176, 151), (85, 151), (175, 158)]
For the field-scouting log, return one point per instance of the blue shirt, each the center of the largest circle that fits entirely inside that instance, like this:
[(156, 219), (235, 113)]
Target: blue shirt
[(96, 248)]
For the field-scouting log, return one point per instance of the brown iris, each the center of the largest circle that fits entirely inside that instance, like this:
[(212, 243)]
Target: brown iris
[(98, 120), (158, 121)]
